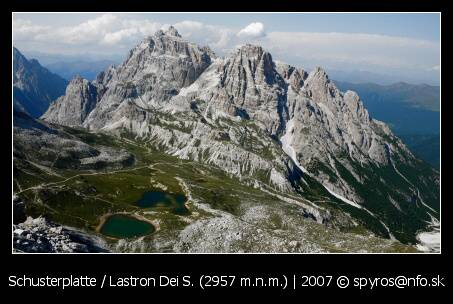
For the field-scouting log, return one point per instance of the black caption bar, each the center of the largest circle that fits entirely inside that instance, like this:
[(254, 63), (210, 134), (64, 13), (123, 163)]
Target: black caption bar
[(209, 281)]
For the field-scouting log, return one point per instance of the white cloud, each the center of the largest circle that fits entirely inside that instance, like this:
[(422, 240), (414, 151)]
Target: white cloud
[(144, 27), (189, 27), (91, 28), (216, 37), (27, 28), (118, 36), (253, 30), (355, 49), (107, 29)]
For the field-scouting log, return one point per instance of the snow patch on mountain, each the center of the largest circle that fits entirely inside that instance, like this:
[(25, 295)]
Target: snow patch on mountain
[(343, 198), (430, 240), (286, 141)]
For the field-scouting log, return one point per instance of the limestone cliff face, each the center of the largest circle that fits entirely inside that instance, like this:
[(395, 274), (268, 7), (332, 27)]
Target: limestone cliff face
[(250, 86), (153, 72), (71, 109)]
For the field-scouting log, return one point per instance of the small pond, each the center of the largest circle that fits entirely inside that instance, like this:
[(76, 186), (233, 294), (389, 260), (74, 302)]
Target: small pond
[(125, 226), (174, 201)]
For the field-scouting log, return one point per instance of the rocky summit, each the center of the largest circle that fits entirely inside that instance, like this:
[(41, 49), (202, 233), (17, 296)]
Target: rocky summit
[(314, 155)]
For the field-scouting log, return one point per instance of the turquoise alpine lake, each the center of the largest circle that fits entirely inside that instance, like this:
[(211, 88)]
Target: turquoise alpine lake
[(174, 201), (125, 226)]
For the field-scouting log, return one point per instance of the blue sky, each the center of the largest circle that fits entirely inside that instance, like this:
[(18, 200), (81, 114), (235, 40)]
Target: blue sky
[(405, 46), (424, 26)]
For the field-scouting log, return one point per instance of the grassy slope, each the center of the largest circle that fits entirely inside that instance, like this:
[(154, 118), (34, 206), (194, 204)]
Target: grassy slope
[(81, 198)]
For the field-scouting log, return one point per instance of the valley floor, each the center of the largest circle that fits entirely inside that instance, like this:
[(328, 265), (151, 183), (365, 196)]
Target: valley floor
[(223, 214)]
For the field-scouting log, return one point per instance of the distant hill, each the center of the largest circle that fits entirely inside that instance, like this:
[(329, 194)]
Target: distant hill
[(384, 79), (421, 96), (426, 147), (35, 87), (87, 69)]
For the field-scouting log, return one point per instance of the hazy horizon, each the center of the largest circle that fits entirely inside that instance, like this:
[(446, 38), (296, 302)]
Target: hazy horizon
[(402, 47)]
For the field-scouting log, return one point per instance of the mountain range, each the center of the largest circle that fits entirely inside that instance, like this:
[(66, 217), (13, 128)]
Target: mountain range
[(412, 111), (421, 96), (253, 145), (34, 86), (86, 69), (382, 78)]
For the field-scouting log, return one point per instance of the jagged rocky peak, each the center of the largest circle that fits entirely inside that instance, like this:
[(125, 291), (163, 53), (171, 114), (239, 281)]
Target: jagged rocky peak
[(318, 77), (80, 85), (256, 61), (352, 99), (249, 86), (71, 109), (165, 55), (319, 87), (77, 80), (105, 76), (319, 73), (172, 32), (295, 77), (249, 73), (251, 50), (155, 71), (208, 51), (170, 42)]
